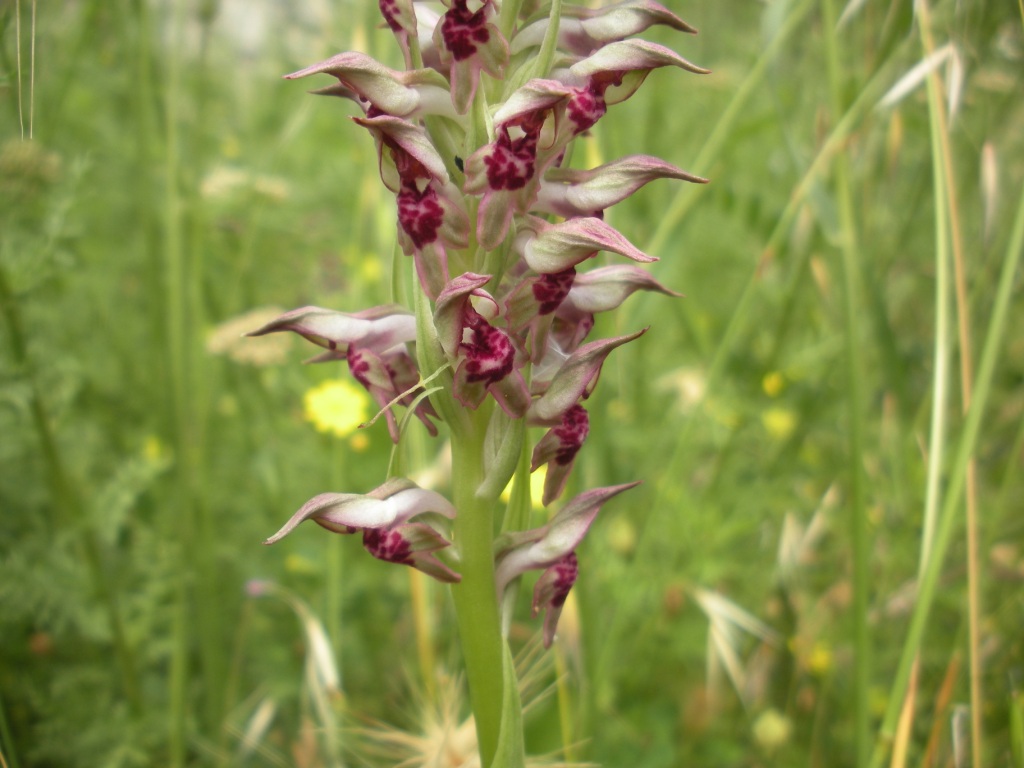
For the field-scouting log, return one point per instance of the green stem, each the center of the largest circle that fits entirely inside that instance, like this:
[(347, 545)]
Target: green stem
[(175, 350), (476, 597), (855, 406)]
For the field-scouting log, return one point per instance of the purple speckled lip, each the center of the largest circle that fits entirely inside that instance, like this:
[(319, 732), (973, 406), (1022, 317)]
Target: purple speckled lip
[(489, 352), (464, 31), (510, 162)]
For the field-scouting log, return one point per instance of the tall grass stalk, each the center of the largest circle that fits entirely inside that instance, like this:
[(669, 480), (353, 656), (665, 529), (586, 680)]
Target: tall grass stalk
[(957, 479), (940, 374), (565, 709), (173, 267), (937, 113), (182, 270), (31, 68), (850, 254)]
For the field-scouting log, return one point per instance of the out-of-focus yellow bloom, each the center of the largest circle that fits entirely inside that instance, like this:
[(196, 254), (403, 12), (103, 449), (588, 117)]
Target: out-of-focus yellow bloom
[(780, 422), (819, 660), (154, 450), (369, 269), (772, 730), (336, 407), (772, 383)]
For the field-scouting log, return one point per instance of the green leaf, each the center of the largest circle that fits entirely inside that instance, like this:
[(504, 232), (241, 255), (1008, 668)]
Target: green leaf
[(503, 446)]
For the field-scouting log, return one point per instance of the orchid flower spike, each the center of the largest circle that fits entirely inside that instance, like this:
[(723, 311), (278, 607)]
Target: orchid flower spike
[(473, 139)]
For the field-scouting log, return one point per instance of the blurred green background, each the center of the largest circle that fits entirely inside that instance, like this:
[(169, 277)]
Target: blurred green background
[(796, 417)]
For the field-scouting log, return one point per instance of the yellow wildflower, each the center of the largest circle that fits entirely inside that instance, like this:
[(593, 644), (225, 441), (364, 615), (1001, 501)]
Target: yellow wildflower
[(336, 407), (779, 422), (773, 384)]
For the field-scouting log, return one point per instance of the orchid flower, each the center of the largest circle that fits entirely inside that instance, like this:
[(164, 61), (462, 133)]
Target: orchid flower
[(386, 91), (552, 547), (391, 377), (470, 44), (617, 70), (485, 356), (558, 449), (505, 172), (383, 517), (400, 16), (571, 193), (432, 218), (574, 379), (377, 328), (548, 248), (373, 342), (583, 30), (599, 290)]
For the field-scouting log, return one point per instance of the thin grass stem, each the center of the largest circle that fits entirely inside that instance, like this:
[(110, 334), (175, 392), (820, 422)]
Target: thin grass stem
[(941, 710), (850, 254), (175, 334), (940, 377), (906, 722), (32, 73), (938, 115), (17, 56)]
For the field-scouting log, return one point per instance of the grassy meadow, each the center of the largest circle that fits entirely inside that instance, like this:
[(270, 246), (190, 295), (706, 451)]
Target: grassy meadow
[(824, 565)]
